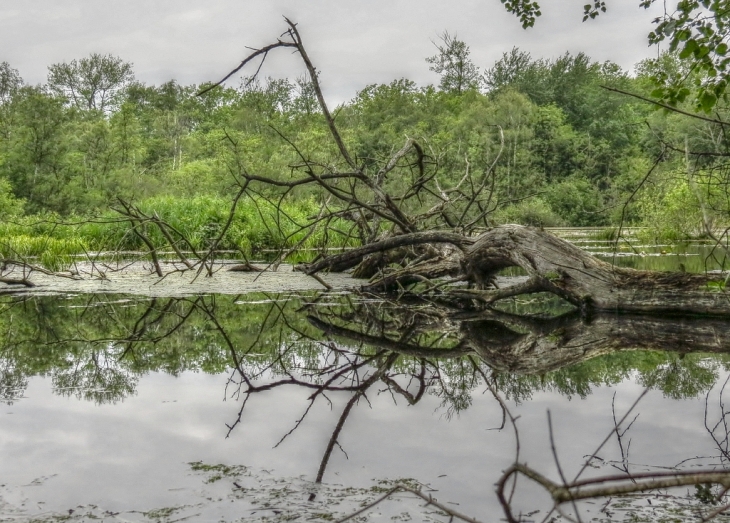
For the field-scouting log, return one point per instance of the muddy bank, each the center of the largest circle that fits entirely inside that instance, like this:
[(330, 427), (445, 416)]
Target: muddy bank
[(139, 278)]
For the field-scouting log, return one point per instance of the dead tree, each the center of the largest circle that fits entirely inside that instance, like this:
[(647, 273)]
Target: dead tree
[(434, 238)]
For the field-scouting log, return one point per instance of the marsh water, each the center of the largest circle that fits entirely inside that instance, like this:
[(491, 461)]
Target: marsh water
[(308, 406)]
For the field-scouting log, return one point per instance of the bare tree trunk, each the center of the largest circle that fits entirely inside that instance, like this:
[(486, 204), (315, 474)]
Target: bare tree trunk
[(557, 266), (553, 265)]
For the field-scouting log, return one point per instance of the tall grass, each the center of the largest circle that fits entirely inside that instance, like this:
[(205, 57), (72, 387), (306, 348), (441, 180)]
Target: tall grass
[(257, 225), (54, 254)]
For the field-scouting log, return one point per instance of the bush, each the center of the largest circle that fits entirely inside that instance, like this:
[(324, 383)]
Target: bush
[(671, 210), (535, 212), (577, 201), (10, 206)]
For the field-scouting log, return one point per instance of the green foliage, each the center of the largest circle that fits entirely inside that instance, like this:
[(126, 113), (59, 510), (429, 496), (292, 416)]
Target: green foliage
[(671, 208), (535, 211), (525, 10), (52, 253), (258, 224), (577, 201), (458, 72), (545, 129), (92, 83), (10, 82), (705, 494), (697, 32), (10, 206)]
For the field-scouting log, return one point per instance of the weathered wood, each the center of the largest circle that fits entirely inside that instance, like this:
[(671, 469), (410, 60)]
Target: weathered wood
[(349, 259), (584, 280), (521, 346), (552, 264)]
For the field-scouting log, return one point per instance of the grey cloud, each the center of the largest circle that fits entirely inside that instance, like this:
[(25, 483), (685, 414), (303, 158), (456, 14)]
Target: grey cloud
[(353, 43)]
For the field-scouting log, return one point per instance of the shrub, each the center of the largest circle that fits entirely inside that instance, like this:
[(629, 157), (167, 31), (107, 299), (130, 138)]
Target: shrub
[(9, 205), (671, 210), (535, 212), (577, 201)]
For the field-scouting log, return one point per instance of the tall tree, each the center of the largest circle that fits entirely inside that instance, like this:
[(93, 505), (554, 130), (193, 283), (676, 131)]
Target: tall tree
[(34, 157), (93, 82), (10, 82), (508, 70), (458, 72)]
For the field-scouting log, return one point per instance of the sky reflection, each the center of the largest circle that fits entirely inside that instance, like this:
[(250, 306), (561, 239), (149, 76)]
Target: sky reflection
[(134, 455)]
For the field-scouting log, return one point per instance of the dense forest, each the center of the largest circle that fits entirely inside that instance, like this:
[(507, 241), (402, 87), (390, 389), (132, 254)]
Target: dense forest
[(563, 150)]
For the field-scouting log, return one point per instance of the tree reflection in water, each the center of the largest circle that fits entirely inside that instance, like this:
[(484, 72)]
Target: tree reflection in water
[(97, 347)]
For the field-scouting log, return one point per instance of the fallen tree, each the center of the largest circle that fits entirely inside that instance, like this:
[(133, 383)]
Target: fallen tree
[(553, 265), (420, 231)]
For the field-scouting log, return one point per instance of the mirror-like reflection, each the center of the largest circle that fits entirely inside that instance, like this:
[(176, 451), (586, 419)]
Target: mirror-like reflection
[(96, 347), (307, 367)]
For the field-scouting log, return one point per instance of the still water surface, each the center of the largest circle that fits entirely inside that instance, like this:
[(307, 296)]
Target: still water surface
[(125, 408)]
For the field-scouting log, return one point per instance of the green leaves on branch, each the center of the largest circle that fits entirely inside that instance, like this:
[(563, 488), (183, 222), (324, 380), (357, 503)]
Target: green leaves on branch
[(527, 11), (593, 10), (458, 72), (698, 32), (93, 82)]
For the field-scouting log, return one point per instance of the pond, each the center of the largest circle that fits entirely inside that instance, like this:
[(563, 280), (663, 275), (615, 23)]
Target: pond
[(309, 406)]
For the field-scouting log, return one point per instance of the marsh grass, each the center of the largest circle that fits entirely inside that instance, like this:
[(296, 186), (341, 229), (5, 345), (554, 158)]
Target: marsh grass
[(258, 225), (55, 254)]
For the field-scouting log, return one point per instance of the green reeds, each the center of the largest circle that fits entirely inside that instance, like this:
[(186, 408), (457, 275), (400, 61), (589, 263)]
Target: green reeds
[(258, 225), (55, 254)]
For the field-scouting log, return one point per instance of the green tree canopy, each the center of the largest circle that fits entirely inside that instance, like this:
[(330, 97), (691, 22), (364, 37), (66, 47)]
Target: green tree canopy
[(10, 82), (458, 72), (699, 30), (93, 82)]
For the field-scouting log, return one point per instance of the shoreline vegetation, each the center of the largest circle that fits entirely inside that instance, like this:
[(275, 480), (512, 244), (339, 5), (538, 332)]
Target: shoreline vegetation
[(54, 241), (557, 148)]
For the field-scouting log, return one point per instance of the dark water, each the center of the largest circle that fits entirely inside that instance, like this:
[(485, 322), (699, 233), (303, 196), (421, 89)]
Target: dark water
[(122, 408), (636, 252)]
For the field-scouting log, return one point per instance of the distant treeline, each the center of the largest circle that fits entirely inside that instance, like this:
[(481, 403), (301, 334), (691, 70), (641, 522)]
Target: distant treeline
[(565, 150)]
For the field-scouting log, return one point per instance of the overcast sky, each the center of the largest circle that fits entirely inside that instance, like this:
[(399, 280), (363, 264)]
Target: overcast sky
[(353, 42)]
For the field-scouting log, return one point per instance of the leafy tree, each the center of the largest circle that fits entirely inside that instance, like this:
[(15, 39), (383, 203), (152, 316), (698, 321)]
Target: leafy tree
[(699, 30), (91, 83), (305, 100), (508, 70), (10, 82), (458, 72), (560, 150), (577, 200), (35, 156), (545, 129)]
